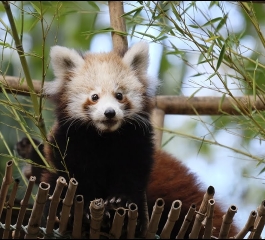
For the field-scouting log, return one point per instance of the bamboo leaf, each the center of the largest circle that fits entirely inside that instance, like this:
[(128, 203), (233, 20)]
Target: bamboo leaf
[(146, 34), (93, 5), (212, 38), (136, 10), (210, 50), (36, 8), (211, 21), (212, 3), (201, 57), (194, 26), (193, 94), (221, 23), (220, 59), (221, 102)]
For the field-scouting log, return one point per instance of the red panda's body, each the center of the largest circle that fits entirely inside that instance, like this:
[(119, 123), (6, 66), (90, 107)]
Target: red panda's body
[(103, 136)]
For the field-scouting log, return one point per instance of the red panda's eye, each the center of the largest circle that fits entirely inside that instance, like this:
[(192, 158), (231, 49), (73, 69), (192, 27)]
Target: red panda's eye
[(119, 96), (94, 97)]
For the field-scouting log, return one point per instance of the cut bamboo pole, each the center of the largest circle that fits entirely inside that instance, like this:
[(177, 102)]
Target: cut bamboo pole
[(132, 220), (78, 217), (117, 223), (9, 208), (227, 221), (97, 209), (186, 223), (171, 220), (201, 213), (249, 226), (55, 199), (209, 219), (7, 180), (259, 222), (155, 218), (23, 208), (67, 204), (35, 218), (117, 22)]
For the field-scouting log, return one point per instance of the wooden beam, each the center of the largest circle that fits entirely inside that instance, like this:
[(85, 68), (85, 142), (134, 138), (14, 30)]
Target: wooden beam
[(169, 104)]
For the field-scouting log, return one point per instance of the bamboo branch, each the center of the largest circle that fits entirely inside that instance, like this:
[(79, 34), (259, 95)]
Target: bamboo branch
[(171, 220), (35, 218), (78, 216), (67, 204), (227, 221), (9, 208), (96, 208), (186, 222), (249, 226), (7, 180), (132, 220), (201, 213), (55, 199), (155, 218), (119, 41), (117, 223), (23, 208)]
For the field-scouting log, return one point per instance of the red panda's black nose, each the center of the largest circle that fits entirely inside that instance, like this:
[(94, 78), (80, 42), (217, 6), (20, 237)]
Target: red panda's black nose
[(110, 113)]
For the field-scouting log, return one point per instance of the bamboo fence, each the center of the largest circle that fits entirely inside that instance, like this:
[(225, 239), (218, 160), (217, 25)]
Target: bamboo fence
[(12, 227)]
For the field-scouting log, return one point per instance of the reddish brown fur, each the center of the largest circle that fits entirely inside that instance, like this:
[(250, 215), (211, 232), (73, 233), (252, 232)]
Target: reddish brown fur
[(171, 180), (88, 103)]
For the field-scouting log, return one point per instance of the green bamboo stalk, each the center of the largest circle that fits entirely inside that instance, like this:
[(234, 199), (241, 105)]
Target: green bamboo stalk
[(25, 67)]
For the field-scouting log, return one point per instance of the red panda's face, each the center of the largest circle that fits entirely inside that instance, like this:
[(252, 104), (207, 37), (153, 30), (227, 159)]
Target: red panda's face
[(102, 90), (104, 93)]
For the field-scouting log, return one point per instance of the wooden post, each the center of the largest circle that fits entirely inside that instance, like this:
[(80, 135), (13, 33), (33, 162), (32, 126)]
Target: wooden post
[(120, 43), (157, 119)]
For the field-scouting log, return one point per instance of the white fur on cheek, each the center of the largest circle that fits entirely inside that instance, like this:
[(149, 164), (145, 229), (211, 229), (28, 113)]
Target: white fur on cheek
[(75, 107)]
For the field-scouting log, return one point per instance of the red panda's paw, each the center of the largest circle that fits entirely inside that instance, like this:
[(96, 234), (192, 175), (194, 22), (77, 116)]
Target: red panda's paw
[(114, 202)]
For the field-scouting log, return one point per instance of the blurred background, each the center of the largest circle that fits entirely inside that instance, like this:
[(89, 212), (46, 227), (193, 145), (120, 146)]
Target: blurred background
[(197, 48)]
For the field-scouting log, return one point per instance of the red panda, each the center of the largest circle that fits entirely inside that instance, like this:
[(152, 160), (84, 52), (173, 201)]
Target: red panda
[(103, 136)]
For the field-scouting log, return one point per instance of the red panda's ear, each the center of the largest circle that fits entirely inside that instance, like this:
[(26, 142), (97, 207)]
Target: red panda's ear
[(64, 60), (137, 57)]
